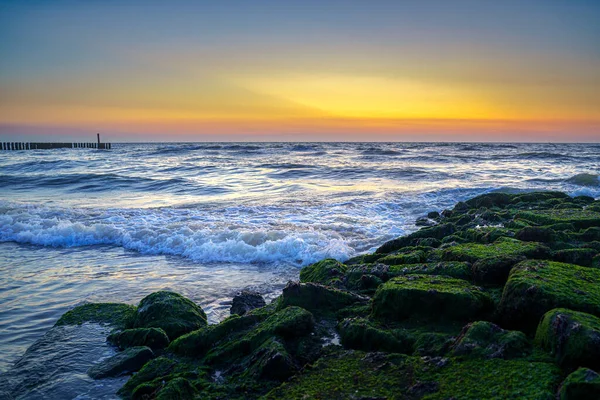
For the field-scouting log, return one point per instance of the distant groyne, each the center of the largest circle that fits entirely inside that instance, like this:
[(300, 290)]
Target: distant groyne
[(42, 146)]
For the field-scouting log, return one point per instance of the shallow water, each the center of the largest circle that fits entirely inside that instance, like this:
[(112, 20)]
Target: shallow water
[(209, 219)]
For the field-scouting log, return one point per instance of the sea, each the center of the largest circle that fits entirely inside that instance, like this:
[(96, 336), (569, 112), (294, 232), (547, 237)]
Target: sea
[(210, 219)]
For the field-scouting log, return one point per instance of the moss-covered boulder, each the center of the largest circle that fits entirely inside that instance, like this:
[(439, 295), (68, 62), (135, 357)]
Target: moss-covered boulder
[(120, 316), (361, 334), (198, 342), (506, 247), (328, 272), (271, 361), (153, 369), (412, 257), (317, 298), (418, 238), (582, 384), (128, 361), (429, 297), (580, 256), (573, 337), (581, 219), (173, 313), (155, 338), (486, 340), (177, 389), (454, 269), (535, 287)]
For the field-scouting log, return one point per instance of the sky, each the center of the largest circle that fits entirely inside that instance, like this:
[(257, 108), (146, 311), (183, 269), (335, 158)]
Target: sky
[(426, 70)]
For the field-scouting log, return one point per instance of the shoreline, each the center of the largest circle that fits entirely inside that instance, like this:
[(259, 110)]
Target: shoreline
[(474, 296)]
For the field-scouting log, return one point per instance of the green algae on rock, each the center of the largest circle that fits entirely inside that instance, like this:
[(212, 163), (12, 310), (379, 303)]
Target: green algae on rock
[(354, 374), (317, 298), (572, 337), (361, 334), (173, 313), (581, 384), (155, 338), (483, 339), (120, 316), (327, 272), (429, 297), (535, 287)]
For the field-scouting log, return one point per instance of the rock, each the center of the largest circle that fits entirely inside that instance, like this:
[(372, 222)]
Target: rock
[(486, 340), (490, 200), (536, 234), (406, 258), (433, 215), (271, 361), (454, 269), (155, 338), (494, 270), (317, 298), (432, 344), (424, 221), (504, 246), (156, 368), (583, 256), (125, 362), (582, 384), (246, 301), (177, 389), (171, 312), (435, 232), (360, 334), (199, 342), (572, 337), (118, 315), (359, 375), (580, 219), (535, 287), (429, 297), (328, 272)]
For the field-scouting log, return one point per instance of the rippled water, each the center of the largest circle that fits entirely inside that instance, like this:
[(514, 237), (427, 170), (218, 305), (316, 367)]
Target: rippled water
[(209, 219)]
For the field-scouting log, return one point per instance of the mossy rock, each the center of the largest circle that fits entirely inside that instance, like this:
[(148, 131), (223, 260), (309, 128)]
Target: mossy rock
[(199, 342), (580, 219), (494, 270), (177, 389), (435, 232), (536, 234), (485, 235), (271, 361), (127, 361), (490, 200), (374, 273), (432, 344), (328, 272), (317, 298), (155, 338), (572, 337), (429, 297), (289, 323), (408, 258), (505, 247), (535, 287), (173, 313), (582, 384), (454, 269), (483, 339), (359, 375), (361, 334), (120, 316), (581, 256), (156, 368)]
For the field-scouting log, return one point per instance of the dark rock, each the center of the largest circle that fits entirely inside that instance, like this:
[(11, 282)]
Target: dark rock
[(535, 234), (583, 384), (317, 298), (155, 338), (433, 215), (424, 221), (572, 337), (246, 301), (125, 362), (486, 340)]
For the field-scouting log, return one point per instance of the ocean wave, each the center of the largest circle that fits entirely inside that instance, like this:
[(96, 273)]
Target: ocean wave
[(169, 234), (376, 151), (585, 179)]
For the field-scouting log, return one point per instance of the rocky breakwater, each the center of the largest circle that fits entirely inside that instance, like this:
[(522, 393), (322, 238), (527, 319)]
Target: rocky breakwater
[(497, 298)]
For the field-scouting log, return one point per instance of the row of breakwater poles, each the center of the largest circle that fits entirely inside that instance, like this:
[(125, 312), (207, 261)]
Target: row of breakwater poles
[(41, 146)]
